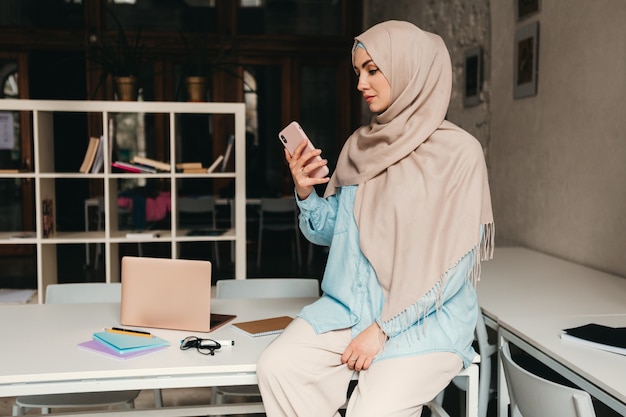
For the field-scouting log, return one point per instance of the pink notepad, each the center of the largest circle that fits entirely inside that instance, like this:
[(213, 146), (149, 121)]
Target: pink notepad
[(99, 347)]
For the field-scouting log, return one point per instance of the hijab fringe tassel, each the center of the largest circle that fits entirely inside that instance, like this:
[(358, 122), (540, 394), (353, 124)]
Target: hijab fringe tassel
[(421, 307)]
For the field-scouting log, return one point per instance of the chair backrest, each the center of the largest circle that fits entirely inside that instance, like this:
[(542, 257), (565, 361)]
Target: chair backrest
[(201, 204), (197, 209), (267, 288), (486, 351), (278, 214), (278, 205), (482, 338), (89, 292), (537, 397)]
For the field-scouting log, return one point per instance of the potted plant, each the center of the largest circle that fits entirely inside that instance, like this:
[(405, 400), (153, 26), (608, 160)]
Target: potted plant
[(196, 73), (120, 57), (199, 68)]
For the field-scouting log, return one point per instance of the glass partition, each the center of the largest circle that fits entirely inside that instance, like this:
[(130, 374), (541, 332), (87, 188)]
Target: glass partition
[(290, 17)]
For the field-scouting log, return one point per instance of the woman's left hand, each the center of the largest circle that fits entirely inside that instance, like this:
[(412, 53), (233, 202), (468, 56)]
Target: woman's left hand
[(363, 349)]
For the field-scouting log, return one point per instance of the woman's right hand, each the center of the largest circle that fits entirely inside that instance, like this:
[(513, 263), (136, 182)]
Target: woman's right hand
[(300, 167)]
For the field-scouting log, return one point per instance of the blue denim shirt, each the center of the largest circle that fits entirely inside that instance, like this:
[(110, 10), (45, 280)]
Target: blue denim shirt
[(353, 298)]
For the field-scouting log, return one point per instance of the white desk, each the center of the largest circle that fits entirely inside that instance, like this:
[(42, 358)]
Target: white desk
[(529, 297), (520, 281), (600, 373), (39, 354)]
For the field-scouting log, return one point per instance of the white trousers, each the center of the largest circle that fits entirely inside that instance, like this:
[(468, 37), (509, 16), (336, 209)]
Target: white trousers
[(300, 374)]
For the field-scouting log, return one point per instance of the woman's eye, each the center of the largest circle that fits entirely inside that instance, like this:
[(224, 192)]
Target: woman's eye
[(372, 71)]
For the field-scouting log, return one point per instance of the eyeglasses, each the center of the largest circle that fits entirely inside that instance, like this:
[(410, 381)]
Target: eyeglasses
[(204, 346)]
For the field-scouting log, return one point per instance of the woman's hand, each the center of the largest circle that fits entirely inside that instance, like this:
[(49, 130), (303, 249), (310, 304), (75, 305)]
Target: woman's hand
[(363, 349), (300, 166)]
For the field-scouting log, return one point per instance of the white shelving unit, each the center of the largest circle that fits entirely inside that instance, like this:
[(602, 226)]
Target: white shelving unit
[(111, 236)]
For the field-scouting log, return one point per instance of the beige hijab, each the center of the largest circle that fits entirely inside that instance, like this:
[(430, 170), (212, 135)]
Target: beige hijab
[(423, 190)]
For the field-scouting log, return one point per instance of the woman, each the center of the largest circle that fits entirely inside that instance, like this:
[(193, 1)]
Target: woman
[(407, 216)]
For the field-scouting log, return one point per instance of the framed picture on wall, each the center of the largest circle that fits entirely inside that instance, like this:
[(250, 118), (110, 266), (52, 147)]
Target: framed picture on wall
[(525, 8), (526, 61), (473, 71)]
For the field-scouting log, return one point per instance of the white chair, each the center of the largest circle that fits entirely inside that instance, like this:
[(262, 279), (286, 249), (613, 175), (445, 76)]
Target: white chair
[(73, 294), (259, 288), (279, 215), (486, 351), (533, 396), (90, 292), (193, 213), (122, 213), (470, 375), (267, 288), (474, 380), (471, 382)]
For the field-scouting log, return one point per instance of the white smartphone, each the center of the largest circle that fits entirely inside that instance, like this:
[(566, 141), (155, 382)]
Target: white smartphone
[(291, 136)]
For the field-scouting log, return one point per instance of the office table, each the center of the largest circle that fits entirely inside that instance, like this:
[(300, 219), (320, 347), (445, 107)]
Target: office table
[(601, 374), (40, 356), (528, 297)]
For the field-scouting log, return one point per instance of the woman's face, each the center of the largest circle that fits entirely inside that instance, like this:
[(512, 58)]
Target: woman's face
[(372, 83)]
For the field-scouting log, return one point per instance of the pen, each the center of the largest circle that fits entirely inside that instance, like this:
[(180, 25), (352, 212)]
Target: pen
[(226, 343), (128, 331)]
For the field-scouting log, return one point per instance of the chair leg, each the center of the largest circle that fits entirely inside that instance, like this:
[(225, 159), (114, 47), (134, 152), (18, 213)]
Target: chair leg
[(439, 398), (96, 261), (471, 396), (309, 260), (484, 382), (298, 254), (216, 398), (18, 410), (217, 253), (158, 398), (258, 253)]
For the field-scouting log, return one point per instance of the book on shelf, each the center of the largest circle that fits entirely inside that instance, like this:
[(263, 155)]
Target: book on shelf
[(90, 154), (611, 339), (143, 234), (194, 171), (98, 161), (133, 167), (188, 165), (263, 327), (228, 152), (47, 214), (206, 232), (159, 165), (113, 153), (11, 170), (24, 235), (197, 168), (215, 164)]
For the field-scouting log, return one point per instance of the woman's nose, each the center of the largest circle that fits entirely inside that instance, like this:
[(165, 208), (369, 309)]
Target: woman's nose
[(361, 84)]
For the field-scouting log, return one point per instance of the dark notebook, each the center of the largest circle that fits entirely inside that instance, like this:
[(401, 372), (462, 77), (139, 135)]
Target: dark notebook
[(603, 337)]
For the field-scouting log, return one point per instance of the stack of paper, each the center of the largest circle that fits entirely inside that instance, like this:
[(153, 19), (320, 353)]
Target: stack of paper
[(611, 339), (11, 296), (124, 345)]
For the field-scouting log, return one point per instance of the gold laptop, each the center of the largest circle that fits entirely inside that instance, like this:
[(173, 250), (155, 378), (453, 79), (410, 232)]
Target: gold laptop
[(168, 294)]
